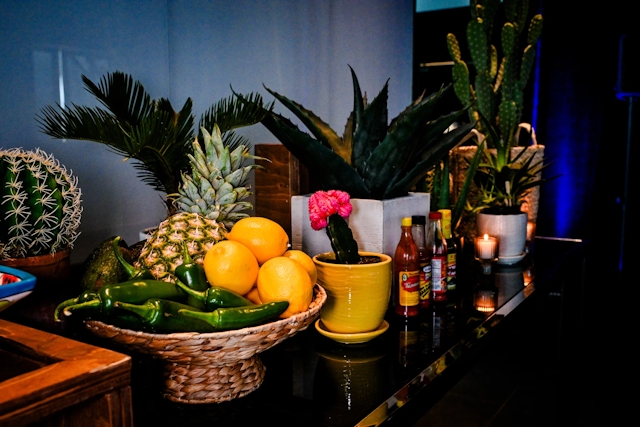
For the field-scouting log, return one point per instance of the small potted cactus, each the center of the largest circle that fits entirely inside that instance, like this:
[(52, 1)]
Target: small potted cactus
[(40, 211)]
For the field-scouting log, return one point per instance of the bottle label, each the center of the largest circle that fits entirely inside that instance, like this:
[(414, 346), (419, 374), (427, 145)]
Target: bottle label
[(451, 271), (425, 281), (438, 274), (409, 282)]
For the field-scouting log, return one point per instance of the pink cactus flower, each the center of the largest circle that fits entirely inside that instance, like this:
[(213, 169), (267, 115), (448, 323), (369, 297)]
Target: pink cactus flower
[(323, 204)]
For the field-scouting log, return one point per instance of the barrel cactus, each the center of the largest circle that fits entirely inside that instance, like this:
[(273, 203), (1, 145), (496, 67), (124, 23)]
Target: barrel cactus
[(40, 204)]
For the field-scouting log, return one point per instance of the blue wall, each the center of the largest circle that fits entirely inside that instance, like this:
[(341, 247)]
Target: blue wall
[(180, 49)]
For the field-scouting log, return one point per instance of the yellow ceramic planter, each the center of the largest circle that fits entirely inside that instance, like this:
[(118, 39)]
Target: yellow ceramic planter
[(357, 295)]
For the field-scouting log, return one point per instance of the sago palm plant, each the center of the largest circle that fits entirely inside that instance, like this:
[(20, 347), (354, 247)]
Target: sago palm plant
[(150, 131)]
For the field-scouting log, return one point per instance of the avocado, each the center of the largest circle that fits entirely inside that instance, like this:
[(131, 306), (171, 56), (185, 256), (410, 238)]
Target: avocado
[(102, 267)]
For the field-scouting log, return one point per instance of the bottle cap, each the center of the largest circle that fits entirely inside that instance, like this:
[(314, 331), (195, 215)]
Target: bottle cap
[(406, 222), (435, 215), (419, 219)]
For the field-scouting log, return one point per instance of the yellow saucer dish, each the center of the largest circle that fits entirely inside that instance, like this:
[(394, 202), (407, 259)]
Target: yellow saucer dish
[(356, 338)]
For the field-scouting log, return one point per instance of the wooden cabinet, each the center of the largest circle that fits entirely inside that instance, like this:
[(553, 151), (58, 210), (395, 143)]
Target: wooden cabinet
[(49, 380)]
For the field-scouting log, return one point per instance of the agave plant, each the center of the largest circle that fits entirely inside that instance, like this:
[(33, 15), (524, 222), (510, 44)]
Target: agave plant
[(149, 131), (373, 159)]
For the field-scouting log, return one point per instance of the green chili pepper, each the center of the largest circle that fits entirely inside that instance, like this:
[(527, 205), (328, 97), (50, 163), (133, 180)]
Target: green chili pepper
[(134, 292), (215, 297), (192, 274), (163, 316), (239, 317), (83, 297), (133, 273)]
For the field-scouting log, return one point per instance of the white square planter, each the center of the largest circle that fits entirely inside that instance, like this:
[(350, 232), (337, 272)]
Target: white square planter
[(375, 223)]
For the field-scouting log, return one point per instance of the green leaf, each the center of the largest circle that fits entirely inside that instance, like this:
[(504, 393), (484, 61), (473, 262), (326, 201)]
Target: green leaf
[(336, 173)]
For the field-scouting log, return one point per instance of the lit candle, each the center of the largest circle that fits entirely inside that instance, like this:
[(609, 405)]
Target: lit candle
[(486, 247)]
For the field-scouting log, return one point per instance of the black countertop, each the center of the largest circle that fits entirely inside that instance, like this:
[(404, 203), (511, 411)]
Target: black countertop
[(391, 380)]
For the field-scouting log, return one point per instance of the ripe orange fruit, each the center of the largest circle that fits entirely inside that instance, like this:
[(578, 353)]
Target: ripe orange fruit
[(231, 265), (253, 296), (264, 237), (305, 260), (283, 279)]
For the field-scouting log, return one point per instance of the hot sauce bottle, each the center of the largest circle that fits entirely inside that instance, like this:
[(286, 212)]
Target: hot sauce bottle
[(438, 247), (418, 230), (452, 249), (406, 273)]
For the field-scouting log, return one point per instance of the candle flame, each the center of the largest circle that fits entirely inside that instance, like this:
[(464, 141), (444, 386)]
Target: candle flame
[(486, 237)]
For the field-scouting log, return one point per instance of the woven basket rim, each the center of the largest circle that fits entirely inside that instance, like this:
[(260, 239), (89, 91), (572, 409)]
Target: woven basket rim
[(320, 297)]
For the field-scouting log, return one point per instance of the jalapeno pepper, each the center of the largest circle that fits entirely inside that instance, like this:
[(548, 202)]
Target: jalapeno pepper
[(215, 297), (163, 316), (134, 292), (239, 317), (83, 297), (133, 273), (192, 274)]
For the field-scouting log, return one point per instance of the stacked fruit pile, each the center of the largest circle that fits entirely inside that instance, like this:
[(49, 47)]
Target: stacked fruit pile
[(194, 276)]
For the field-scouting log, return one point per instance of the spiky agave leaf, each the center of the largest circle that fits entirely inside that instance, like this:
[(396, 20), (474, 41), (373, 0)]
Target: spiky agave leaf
[(373, 159)]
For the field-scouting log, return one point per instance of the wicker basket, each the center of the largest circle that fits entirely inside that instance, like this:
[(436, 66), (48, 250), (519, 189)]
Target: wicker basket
[(212, 367)]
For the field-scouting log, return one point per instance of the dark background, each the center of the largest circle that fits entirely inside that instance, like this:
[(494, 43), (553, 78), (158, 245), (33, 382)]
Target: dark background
[(573, 106)]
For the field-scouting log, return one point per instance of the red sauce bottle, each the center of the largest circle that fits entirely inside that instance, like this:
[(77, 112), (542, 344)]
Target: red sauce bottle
[(419, 232), (438, 246), (406, 273)]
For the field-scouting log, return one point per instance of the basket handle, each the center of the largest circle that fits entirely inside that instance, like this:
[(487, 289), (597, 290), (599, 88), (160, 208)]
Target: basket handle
[(528, 128)]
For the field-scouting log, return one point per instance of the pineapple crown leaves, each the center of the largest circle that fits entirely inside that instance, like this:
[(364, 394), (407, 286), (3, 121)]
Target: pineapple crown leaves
[(374, 160), (216, 185)]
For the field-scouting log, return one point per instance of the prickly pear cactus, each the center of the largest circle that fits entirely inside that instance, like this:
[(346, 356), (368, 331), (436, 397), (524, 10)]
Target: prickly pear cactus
[(501, 75), (40, 205)]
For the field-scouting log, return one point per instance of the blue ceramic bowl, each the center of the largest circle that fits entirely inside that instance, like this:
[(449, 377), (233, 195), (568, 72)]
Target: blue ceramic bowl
[(14, 285)]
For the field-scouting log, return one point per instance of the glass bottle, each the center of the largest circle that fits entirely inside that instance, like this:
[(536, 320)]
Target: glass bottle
[(406, 273), (418, 232), (438, 247), (452, 249)]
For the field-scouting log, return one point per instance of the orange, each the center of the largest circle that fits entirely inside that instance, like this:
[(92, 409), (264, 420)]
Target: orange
[(283, 279), (231, 265), (253, 296), (263, 236), (305, 260)]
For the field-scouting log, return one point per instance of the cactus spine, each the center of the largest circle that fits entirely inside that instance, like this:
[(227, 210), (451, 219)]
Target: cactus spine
[(40, 205), (497, 93)]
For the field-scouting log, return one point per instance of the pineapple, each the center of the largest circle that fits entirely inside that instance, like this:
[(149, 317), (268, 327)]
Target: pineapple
[(216, 187), (162, 252)]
